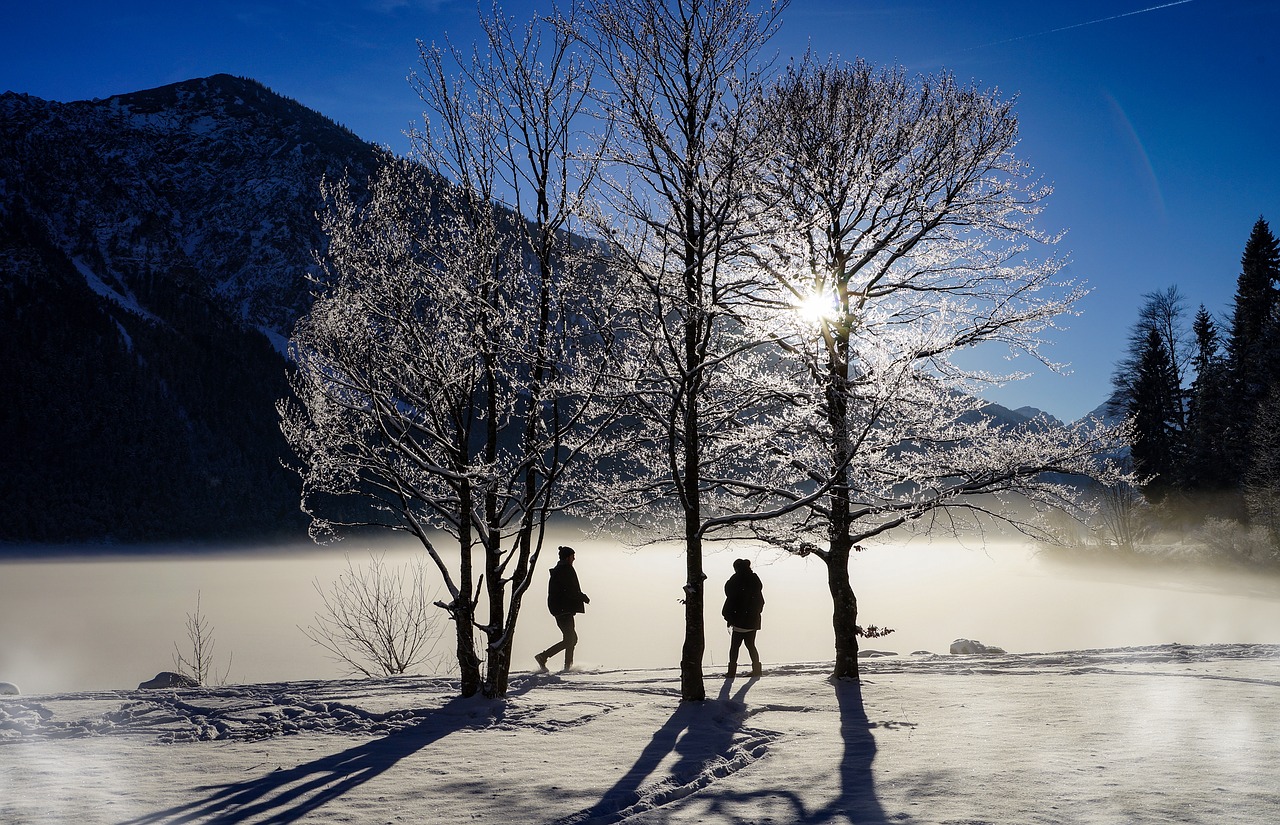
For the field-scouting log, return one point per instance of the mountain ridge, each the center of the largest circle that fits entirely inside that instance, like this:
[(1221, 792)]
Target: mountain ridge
[(153, 253)]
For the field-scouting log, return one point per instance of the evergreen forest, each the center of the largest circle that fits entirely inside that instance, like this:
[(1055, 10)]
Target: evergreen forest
[(1202, 395)]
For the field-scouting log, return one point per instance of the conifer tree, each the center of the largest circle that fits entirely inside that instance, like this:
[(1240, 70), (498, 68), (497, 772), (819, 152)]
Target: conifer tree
[(1251, 350), (1162, 312), (1147, 387), (1154, 406), (1203, 470)]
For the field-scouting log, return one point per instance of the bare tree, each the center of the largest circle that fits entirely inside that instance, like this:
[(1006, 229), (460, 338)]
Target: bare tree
[(1163, 314), (378, 620), (895, 223), (1123, 513), (450, 368), (678, 75), (511, 124), (199, 663)]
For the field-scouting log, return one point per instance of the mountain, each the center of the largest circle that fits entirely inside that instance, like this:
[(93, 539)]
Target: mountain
[(1020, 417), (153, 253)]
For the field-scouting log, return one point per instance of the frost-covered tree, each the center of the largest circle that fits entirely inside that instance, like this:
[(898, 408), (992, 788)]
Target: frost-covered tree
[(895, 221), (677, 75), (448, 370)]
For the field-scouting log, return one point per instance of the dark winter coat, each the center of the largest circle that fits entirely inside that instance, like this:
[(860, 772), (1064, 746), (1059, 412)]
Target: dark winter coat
[(564, 595), (743, 601)]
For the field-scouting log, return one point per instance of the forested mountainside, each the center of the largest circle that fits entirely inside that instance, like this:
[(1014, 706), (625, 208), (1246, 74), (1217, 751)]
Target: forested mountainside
[(153, 248)]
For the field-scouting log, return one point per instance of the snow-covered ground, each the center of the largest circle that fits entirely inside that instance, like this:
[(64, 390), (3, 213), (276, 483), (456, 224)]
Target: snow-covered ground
[(1135, 735)]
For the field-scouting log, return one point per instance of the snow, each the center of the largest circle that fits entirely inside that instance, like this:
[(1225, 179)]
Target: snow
[(1168, 733), (280, 343), (125, 300), (125, 337)]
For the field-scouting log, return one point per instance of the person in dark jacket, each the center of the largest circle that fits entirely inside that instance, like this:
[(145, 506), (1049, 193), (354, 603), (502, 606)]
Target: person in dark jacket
[(743, 604), (565, 600)]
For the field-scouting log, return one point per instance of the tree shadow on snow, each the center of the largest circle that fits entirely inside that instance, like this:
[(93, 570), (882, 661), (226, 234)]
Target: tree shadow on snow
[(856, 802), (702, 736), (289, 794)]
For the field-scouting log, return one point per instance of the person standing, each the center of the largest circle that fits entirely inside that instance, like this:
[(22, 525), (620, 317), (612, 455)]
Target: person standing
[(565, 600), (743, 604)]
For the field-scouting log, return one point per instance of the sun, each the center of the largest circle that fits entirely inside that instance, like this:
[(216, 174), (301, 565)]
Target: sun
[(816, 308)]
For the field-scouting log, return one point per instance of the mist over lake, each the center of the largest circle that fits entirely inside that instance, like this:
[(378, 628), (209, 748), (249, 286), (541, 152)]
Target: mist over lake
[(94, 623)]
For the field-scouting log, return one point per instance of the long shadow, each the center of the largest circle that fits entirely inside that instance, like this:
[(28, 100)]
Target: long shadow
[(287, 795), (700, 733), (857, 800), (856, 803), (742, 691)]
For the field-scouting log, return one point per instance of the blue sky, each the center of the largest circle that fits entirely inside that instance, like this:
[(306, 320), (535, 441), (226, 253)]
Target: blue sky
[(1157, 122)]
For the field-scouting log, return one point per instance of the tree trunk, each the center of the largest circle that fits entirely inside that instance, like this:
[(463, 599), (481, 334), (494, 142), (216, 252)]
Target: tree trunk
[(844, 605), (497, 652), (463, 611), (692, 688), (468, 662), (691, 684), (844, 614), (499, 660)]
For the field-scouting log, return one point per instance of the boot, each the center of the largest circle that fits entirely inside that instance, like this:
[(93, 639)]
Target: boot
[(756, 670), (733, 670)]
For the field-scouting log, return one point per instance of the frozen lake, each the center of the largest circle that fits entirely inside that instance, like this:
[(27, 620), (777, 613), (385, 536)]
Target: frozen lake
[(111, 622)]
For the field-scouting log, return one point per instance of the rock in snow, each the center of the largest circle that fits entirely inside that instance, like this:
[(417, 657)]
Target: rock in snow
[(169, 679), (969, 647), (8, 689)]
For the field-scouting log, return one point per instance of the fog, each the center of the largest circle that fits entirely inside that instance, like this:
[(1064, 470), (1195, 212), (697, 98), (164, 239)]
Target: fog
[(108, 623)]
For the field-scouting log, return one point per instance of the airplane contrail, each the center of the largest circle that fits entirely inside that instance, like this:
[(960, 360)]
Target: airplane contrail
[(1079, 25)]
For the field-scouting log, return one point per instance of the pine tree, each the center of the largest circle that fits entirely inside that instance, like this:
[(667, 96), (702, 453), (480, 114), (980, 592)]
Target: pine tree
[(1147, 387), (1207, 415), (1162, 312), (1251, 349), (1154, 406), (1208, 343)]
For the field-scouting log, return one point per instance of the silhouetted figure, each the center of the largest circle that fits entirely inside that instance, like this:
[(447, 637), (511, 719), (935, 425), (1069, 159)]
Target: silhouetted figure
[(743, 604), (565, 599)]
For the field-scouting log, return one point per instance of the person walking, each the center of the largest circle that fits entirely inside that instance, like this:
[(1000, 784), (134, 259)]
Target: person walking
[(743, 604), (565, 600)]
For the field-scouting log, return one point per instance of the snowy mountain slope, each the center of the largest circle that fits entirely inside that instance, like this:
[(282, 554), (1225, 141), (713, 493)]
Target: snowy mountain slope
[(152, 253), (210, 184)]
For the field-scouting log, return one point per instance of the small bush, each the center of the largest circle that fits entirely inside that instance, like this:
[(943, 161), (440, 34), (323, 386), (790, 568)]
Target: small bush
[(198, 663), (378, 620), (1232, 541)]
